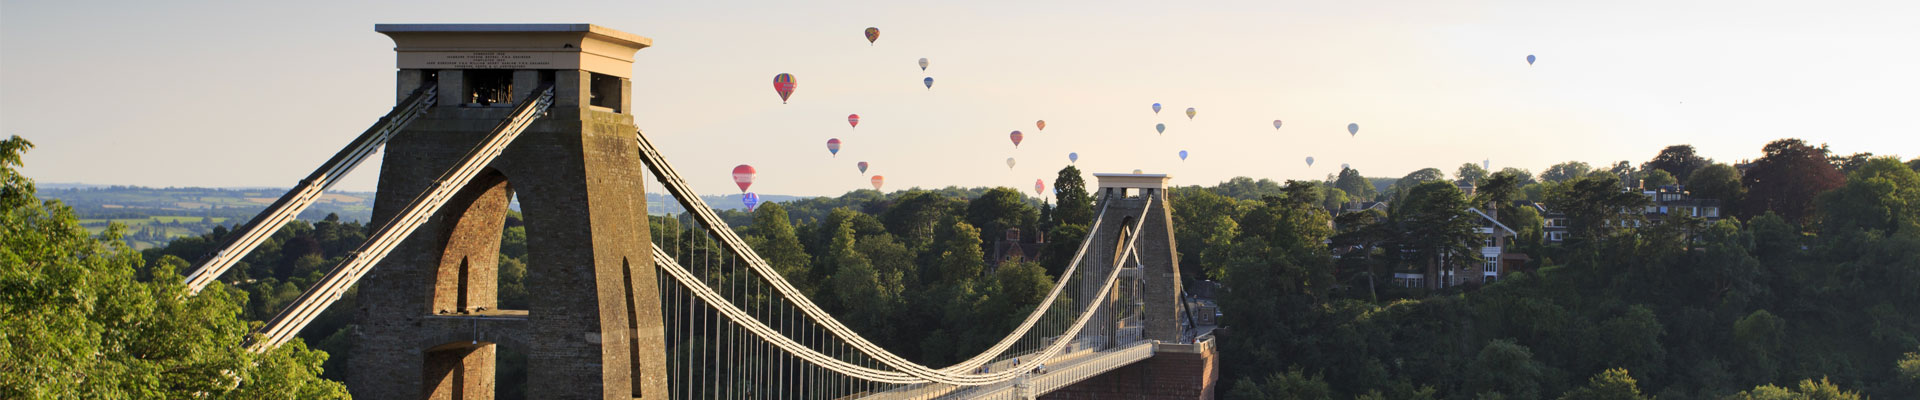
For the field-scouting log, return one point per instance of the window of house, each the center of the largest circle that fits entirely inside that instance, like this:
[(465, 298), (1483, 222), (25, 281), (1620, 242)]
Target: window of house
[(488, 86), (1492, 266)]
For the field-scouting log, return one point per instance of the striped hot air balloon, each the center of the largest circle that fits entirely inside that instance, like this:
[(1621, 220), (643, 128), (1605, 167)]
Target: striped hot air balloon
[(878, 181), (743, 176), (784, 84), (833, 146), (1016, 136), (854, 120)]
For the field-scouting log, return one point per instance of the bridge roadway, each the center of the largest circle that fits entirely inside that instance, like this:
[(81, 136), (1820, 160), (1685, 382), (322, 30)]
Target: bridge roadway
[(1078, 364)]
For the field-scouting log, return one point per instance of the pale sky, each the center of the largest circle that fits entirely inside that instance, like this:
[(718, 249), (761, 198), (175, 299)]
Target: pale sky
[(250, 93)]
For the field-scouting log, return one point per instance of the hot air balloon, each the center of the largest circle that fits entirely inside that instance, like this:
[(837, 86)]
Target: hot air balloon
[(1009, 162), (1041, 124), (1073, 157), (923, 63), (1160, 127), (833, 146), (784, 84), (1353, 129), (1016, 136), (929, 82), (1486, 164), (1344, 167), (1137, 172), (1529, 59), (854, 120), (1183, 155), (863, 166), (1309, 161), (1039, 187), (1190, 113), (878, 181), (872, 35), (743, 176), (750, 200), (1156, 108), (1276, 124)]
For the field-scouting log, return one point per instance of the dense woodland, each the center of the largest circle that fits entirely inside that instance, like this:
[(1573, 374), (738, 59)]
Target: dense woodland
[(1810, 292)]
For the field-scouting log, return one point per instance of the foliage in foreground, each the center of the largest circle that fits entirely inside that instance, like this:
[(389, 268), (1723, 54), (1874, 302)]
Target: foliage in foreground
[(77, 323)]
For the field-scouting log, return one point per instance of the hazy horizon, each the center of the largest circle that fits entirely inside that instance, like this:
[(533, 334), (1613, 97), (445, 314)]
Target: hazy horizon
[(181, 94)]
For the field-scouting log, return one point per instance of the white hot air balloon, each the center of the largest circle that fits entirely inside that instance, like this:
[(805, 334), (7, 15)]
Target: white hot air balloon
[(923, 63), (1009, 162)]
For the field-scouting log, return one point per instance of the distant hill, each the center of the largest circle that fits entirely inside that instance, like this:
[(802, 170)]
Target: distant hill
[(154, 216)]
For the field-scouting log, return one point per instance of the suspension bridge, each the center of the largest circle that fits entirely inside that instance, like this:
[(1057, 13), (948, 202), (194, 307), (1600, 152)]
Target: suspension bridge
[(489, 113)]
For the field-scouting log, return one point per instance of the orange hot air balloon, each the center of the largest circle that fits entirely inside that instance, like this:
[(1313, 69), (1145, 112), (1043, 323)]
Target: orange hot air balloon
[(1016, 136), (784, 84), (872, 35), (743, 176), (878, 181), (853, 119), (1042, 124)]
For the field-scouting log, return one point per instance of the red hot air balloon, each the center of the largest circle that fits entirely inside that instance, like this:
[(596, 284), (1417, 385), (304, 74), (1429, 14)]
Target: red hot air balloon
[(1016, 136), (872, 35), (878, 181), (854, 120), (784, 84), (743, 176), (1042, 124), (1039, 187), (833, 146)]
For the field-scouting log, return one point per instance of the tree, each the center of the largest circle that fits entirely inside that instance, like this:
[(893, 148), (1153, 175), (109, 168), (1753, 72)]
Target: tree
[(1808, 390), (914, 214), (1433, 227), (1612, 384), (1880, 196), (1656, 178), (1415, 178), (1719, 182), (1786, 179), (777, 243), (76, 323), (1001, 209), (1565, 171), (1909, 367), (1292, 384), (1202, 218), (1469, 173), (1758, 337), (1526, 177), (960, 258), (1595, 206), (1849, 162), (1244, 188), (1073, 205), (1677, 160), (1507, 368), (1356, 186)]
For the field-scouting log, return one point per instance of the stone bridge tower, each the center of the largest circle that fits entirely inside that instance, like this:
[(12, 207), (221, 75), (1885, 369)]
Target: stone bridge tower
[(430, 323), (1153, 285)]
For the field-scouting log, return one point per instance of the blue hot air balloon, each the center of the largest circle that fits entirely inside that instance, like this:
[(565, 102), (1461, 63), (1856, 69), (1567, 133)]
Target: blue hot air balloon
[(1073, 157), (1156, 108), (750, 200), (1183, 155), (1160, 127), (929, 82), (1353, 129), (1309, 161), (1529, 59)]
